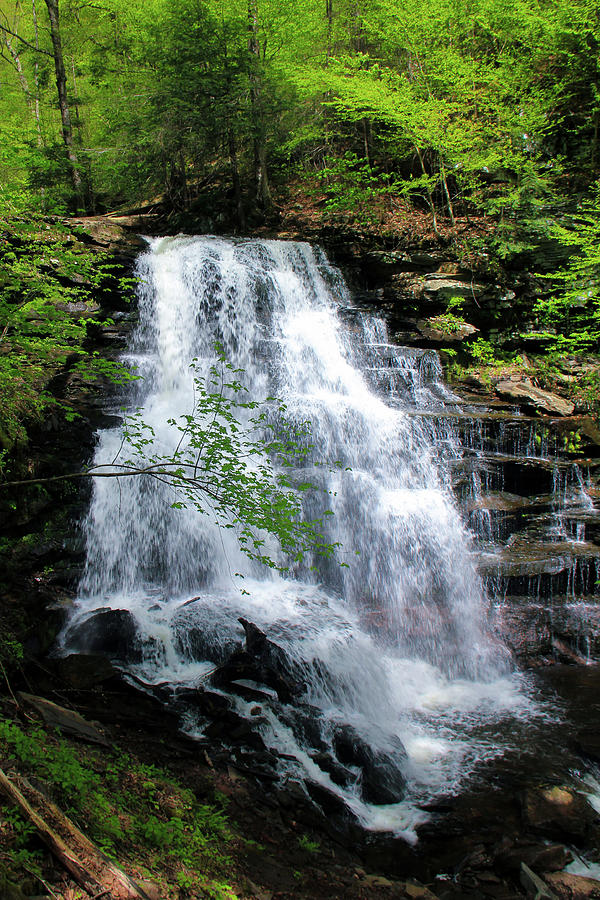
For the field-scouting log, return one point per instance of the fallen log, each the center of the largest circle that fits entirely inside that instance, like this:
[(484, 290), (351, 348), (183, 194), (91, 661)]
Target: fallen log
[(90, 868)]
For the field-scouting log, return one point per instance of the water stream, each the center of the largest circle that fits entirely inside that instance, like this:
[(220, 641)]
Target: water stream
[(397, 644)]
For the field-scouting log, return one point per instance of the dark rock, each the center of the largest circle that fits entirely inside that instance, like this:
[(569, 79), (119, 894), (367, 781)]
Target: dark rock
[(558, 812), (85, 670), (382, 780), (539, 857), (587, 742), (250, 693), (111, 632), (330, 802), (261, 661), (338, 773), (234, 728), (209, 703)]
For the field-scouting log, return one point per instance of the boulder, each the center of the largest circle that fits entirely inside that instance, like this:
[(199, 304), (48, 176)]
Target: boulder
[(382, 780), (65, 720), (109, 632), (439, 286), (83, 671), (442, 330), (587, 741), (527, 394), (572, 887), (540, 857), (262, 661), (557, 812)]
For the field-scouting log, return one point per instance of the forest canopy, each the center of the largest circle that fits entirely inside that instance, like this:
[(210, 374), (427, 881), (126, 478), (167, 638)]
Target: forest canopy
[(459, 106), (479, 118)]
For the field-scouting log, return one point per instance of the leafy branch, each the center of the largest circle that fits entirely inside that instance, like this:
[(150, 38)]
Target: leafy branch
[(234, 460)]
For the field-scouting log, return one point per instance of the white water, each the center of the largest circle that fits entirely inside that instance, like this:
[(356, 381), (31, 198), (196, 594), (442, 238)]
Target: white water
[(397, 643)]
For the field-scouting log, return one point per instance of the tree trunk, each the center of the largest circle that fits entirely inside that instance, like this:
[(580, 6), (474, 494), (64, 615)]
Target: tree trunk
[(261, 174), (447, 192), (36, 78), (430, 199), (61, 85), (235, 177)]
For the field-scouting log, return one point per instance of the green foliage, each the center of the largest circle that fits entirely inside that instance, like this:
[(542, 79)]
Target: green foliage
[(47, 278), (571, 312), (350, 186), (483, 352), (123, 803), (448, 323), (305, 843), (11, 649)]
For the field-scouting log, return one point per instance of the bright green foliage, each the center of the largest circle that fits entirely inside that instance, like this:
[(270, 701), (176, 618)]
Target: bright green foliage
[(573, 310), (485, 105)]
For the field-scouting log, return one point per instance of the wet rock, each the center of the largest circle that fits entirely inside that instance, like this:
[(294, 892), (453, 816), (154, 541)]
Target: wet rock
[(587, 741), (111, 632), (330, 802), (85, 670), (234, 728), (550, 857), (262, 661), (306, 724), (338, 773), (251, 693), (557, 811), (210, 703), (573, 887), (527, 394), (382, 781)]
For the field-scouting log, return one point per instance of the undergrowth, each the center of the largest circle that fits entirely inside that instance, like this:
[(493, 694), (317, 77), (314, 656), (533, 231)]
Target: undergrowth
[(136, 813)]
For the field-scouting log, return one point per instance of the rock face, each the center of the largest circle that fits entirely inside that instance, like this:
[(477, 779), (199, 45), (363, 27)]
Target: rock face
[(111, 235), (572, 887), (261, 661), (436, 330), (529, 395), (381, 778), (558, 812), (110, 632)]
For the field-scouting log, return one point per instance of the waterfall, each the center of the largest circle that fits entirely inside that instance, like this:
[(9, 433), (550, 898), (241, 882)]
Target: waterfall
[(395, 643)]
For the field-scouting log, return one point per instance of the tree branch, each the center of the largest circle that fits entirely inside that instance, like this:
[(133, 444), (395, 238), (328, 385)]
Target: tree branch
[(7, 30)]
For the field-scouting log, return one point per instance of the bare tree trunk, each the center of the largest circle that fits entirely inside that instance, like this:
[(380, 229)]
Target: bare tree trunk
[(61, 85), (235, 177), (36, 78), (261, 174), (428, 190), (366, 133), (96, 874), (447, 192)]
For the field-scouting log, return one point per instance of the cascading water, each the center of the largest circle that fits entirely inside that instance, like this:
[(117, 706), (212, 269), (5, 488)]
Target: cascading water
[(395, 646)]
